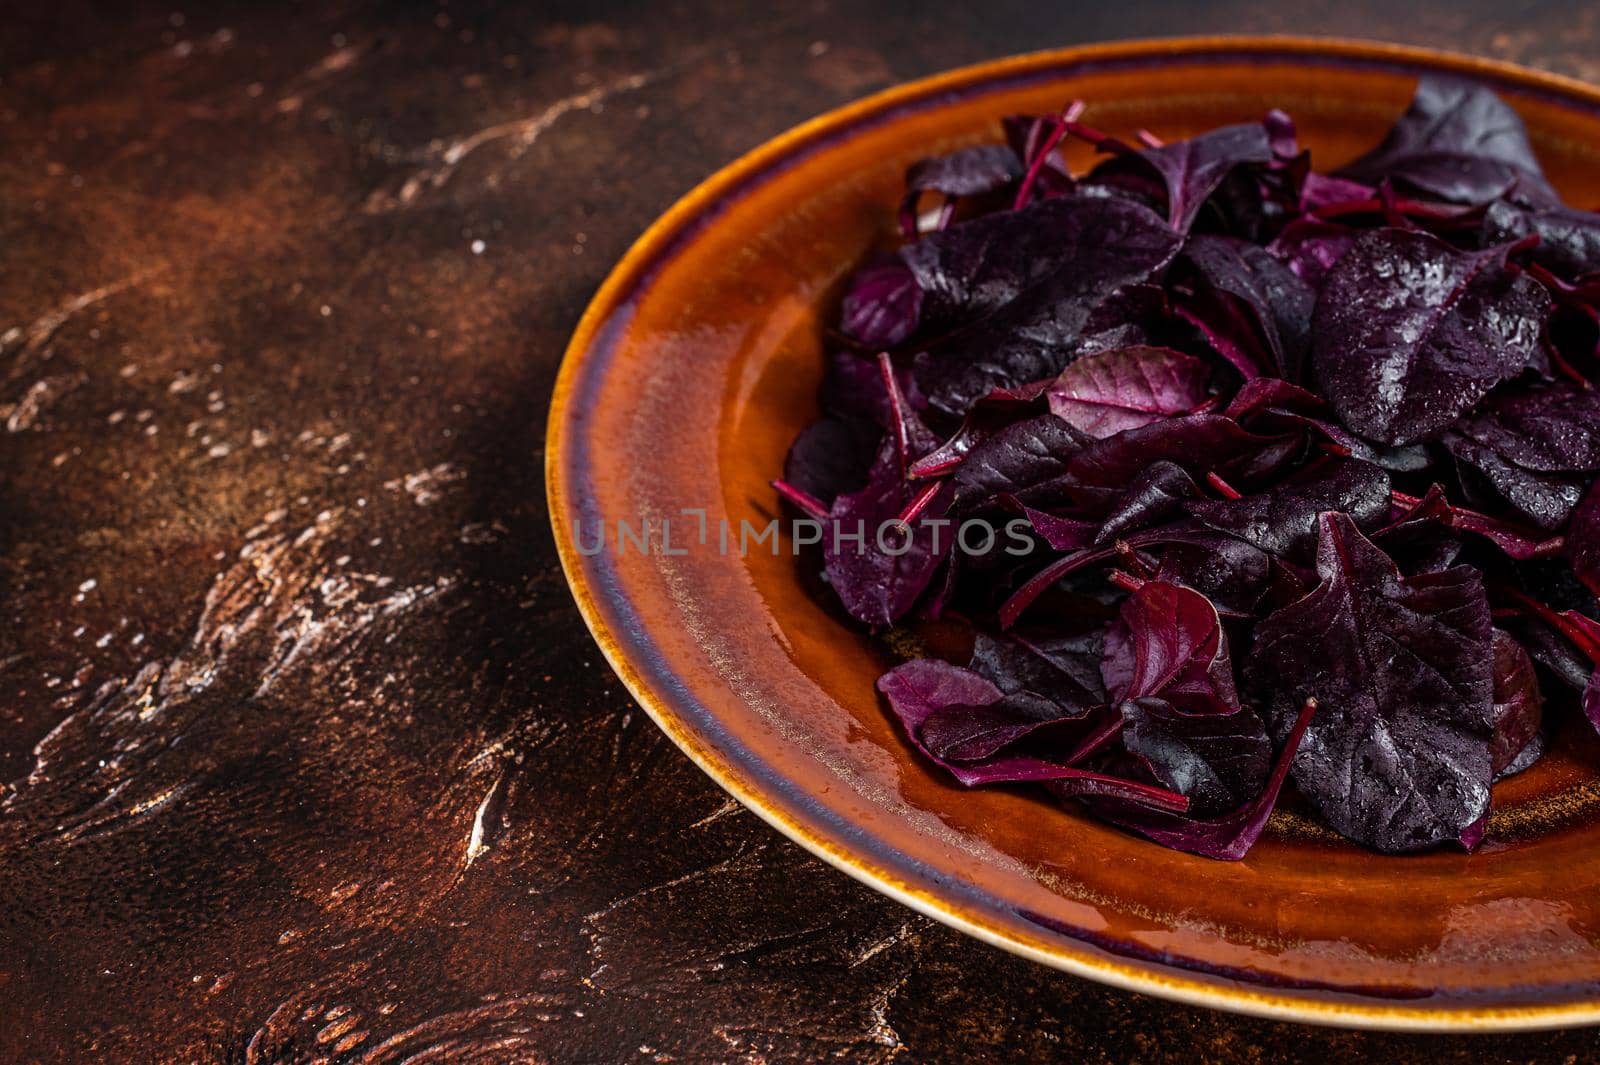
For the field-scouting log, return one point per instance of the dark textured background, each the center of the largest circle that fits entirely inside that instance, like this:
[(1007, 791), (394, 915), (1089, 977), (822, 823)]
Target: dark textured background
[(305, 750)]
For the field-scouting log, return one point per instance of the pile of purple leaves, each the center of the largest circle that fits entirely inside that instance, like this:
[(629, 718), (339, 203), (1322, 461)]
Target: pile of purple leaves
[(1305, 466)]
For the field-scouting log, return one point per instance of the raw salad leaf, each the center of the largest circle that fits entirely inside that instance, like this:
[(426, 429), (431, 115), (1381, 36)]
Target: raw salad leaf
[(1218, 761), (1124, 388), (1402, 670), (1027, 298), (1457, 142), (1410, 333), (1175, 650)]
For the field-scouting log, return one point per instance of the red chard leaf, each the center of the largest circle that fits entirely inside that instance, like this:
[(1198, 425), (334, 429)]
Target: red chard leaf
[(1458, 142), (1180, 652), (1218, 761), (1402, 669), (1410, 333), (1518, 706), (1124, 388)]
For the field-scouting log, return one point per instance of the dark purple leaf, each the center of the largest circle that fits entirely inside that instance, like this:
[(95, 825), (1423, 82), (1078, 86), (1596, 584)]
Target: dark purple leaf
[(1273, 407), (1536, 449), (1517, 541), (1029, 300), (1190, 170), (1156, 494), (832, 456), (854, 387), (968, 172), (1518, 706), (1026, 136), (1546, 500), (1324, 190), (1062, 534), (973, 735), (1226, 838), (1554, 651), (877, 571), (1418, 536), (1132, 316), (1231, 573), (1569, 239), (1097, 476), (1284, 520), (1457, 142), (1398, 756), (1410, 333), (1063, 667), (1219, 761), (882, 306), (1309, 247), (1583, 540), (1236, 280), (922, 690), (1179, 651), (978, 267), (1027, 461), (1125, 388), (1551, 429)]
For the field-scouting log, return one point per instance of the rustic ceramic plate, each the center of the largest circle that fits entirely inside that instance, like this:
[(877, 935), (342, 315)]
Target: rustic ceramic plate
[(692, 371)]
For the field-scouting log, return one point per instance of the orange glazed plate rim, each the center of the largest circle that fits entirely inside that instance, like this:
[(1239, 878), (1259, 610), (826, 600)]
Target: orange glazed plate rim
[(604, 609)]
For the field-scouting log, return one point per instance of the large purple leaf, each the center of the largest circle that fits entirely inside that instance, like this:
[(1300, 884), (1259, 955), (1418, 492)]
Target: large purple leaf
[(1283, 521), (1236, 283), (1457, 142), (1027, 301), (927, 691), (1225, 838), (1398, 756), (1190, 170), (1219, 761), (1410, 333), (1125, 388), (1178, 652), (1518, 706)]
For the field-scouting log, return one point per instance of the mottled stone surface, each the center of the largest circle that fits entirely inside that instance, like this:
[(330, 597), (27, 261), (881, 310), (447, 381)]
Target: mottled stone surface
[(305, 752)]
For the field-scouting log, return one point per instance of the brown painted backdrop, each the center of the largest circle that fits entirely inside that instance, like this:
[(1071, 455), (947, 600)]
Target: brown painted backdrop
[(305, 752)]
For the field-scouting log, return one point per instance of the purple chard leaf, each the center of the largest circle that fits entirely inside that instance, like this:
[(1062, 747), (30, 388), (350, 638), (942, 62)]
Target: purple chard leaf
[(1403, 670), (1125, 388), (1409, 333)]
